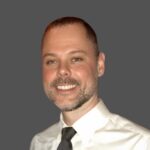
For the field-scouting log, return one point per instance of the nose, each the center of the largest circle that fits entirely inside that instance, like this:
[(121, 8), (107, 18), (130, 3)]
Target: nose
[(64, 70)]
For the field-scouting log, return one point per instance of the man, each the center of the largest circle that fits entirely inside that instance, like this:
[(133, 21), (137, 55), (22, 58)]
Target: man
[(72, 64)]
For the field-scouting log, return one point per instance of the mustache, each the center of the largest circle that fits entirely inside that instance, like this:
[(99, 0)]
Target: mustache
[(61, 81)]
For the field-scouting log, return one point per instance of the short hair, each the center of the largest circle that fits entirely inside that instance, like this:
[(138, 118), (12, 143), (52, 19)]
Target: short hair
[(73, 20)]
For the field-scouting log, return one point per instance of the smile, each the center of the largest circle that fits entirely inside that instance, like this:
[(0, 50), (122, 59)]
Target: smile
[(65, 87)]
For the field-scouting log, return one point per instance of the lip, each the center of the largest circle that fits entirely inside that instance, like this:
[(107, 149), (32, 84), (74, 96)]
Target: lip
[(66, 88)]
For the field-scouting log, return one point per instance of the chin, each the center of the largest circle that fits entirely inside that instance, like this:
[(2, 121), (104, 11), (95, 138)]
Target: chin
[(65, 106), (72, 106)]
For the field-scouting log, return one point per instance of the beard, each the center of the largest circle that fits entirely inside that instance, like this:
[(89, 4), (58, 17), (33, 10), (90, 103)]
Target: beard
[(83, 95)]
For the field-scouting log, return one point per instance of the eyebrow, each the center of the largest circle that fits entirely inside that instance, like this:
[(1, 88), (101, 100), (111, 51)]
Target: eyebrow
[(72, 52), (48, 54), (78, 51)]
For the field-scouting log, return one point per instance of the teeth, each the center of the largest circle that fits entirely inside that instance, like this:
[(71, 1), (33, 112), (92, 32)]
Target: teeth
[(66, 87)]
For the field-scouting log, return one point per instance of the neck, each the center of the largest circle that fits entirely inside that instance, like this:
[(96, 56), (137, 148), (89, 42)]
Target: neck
[(72, 116)]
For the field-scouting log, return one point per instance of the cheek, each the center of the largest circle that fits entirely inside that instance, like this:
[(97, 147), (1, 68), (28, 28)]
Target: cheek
[(47, 75), (86, 73)]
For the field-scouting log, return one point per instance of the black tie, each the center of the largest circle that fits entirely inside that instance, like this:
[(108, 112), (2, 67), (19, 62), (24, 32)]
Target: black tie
[(67, 134)]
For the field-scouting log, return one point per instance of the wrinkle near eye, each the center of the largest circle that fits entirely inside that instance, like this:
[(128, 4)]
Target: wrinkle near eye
[(77, 59), (50, 62)]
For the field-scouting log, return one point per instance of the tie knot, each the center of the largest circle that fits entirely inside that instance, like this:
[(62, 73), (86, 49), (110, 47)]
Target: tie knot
[(68, 133)]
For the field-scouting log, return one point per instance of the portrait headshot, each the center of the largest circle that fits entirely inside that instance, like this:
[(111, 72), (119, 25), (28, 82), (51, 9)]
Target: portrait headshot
[(72, 64), (74, 75)]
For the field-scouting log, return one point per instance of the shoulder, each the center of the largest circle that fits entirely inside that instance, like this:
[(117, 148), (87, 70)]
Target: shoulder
[(45, 137), (124, 124), (48, 134)]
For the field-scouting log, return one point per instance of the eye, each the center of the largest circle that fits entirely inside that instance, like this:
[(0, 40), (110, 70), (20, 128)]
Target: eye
[(51, 62), (77, 59)]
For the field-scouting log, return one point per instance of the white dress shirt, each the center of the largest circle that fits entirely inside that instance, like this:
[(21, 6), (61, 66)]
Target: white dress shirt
[(97, 130)]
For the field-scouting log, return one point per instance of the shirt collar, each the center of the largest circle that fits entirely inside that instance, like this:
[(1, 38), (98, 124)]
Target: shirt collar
[(95, 119)]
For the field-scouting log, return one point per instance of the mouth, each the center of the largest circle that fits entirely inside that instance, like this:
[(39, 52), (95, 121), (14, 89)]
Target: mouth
[(66, 87)]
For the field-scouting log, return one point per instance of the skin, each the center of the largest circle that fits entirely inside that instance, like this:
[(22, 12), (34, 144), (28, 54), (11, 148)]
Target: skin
[(71, 70)]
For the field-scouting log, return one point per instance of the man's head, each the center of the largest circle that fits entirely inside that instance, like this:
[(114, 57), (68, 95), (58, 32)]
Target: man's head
[(71, 63)]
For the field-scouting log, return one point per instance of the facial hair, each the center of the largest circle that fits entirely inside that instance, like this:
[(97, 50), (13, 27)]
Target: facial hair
[(82, 97)]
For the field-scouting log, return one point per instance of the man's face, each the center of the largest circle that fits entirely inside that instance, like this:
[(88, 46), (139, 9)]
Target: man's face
[(70, 67)]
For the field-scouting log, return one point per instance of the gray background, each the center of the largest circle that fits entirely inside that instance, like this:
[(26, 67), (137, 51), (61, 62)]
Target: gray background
[(123, 27)]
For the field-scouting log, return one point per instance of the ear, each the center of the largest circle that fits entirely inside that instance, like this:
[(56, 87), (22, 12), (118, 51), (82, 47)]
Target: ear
[(101, 64)]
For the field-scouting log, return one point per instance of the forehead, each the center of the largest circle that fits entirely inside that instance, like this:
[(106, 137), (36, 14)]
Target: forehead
[(66, 38), (64, 31)]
